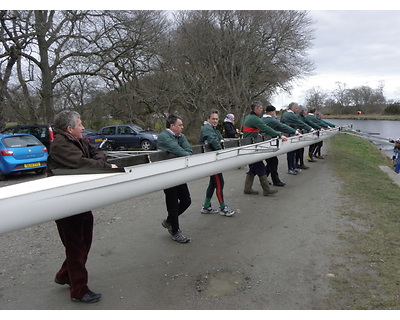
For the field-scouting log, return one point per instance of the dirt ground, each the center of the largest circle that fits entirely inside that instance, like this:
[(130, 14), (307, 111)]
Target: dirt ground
[(275, 253)]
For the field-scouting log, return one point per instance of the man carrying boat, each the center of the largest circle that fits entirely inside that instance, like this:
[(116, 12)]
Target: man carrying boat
[(269, 119), (70, 151), (254, 126), (177, 198), (291, 118)]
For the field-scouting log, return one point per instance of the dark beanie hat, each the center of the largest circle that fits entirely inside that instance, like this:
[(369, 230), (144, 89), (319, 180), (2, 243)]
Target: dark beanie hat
[(270, 108)]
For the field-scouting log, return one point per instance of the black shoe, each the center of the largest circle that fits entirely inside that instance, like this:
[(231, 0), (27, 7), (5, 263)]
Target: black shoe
[(89, 297), (168, 226), (280, 184), (59, 282)]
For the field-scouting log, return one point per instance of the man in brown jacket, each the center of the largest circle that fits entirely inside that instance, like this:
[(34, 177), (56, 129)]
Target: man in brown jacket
[(70, 151)]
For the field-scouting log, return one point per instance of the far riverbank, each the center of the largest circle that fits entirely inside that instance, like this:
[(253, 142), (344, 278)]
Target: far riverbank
[(394, 117)]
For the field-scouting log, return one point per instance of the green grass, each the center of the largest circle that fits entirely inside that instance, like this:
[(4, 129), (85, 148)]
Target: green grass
[(368, 267)]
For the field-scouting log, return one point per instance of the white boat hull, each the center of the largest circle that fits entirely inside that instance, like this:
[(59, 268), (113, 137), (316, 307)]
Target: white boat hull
[(32, 203)]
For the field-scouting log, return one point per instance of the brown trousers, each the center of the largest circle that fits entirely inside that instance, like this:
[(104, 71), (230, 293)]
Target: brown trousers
[(76, 234)]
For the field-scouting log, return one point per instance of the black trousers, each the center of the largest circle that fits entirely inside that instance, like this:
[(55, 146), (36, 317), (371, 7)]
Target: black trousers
[(272, 168), (317, 151), (299, 158), (291, 160), (177, 200)]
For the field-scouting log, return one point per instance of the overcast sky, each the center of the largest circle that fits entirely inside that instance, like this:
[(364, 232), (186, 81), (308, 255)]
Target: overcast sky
[(353, 47)]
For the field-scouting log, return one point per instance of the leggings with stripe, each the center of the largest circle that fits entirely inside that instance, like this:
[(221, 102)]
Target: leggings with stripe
[(217, 184)]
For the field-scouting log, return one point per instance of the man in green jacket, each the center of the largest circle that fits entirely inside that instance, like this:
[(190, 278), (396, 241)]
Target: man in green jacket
[(291, 118), (211, 136), (317, 150), (254, 126), (177, 198), (312, 120), (269, 119)]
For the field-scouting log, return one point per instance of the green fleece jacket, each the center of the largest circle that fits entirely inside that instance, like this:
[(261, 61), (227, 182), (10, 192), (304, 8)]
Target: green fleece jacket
[(253, 126), (278, 126), (177, 145), (292, 120), (327, 123), (211, 136), (315, 120), (309, 121)]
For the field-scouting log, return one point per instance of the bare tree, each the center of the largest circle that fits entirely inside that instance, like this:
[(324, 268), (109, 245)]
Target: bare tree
[(67, 48), (11, 25), (367, 99), (316, 97), (225, 59)]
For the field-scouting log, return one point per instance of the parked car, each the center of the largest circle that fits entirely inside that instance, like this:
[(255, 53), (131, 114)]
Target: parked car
[(21, 152), (43, 132), (128, 137), (92, 136)]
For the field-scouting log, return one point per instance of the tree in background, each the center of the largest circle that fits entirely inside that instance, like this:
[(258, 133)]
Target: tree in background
[(137, 66), (344, 100), (226, 59), (77, 50)]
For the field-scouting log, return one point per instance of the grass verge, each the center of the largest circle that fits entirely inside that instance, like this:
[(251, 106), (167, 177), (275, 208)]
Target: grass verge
[(367, 272)]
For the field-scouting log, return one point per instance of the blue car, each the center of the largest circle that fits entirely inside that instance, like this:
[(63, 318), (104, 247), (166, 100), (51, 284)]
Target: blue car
[(21, 152), (92, 136), (128, 137)]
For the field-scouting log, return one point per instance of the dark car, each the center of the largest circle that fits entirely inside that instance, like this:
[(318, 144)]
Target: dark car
[(21, 152), (43, 132), (128, 137), (92, 136)]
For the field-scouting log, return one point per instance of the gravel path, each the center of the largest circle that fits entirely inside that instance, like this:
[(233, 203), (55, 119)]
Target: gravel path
[(275, 253)]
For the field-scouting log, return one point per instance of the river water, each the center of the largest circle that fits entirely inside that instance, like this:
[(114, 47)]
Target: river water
[(380, 130)]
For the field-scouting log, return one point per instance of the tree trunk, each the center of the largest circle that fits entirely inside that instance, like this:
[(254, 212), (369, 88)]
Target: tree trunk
[(47, 90)]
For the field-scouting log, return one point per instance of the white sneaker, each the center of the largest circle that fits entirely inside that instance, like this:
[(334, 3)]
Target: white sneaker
[(226, 212), (209, 210)]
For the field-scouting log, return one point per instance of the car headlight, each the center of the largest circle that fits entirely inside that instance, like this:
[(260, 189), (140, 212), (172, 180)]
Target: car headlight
[(155, 136)]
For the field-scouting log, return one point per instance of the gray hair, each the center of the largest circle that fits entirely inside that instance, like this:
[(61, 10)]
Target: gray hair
[(303, 110), (255, 104), (66, 118), (293, 105)]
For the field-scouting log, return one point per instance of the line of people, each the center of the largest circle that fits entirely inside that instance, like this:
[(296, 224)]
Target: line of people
[(293, 122), (70, 151)]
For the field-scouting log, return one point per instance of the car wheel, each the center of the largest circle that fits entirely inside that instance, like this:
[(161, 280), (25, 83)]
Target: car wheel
[(145, 145), (106, 146), (2, 177), (40, 171)]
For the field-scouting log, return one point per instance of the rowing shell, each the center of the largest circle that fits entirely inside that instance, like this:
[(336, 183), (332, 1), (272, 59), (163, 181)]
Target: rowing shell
[(51, 198)]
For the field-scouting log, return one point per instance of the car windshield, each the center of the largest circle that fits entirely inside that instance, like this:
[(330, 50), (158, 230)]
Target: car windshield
[(137, 128), (20, 142), (89, 131)]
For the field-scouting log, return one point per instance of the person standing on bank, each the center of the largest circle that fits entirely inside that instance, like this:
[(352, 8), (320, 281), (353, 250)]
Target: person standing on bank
[(317, 151), (313, 122), (269, 119), (229, 126), (252, 127), (291, 118), (211, 136), (70, 151), (177, 198)]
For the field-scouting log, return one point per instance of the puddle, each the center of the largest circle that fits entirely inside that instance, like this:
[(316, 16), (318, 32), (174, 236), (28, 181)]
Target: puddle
[(221, 283)]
